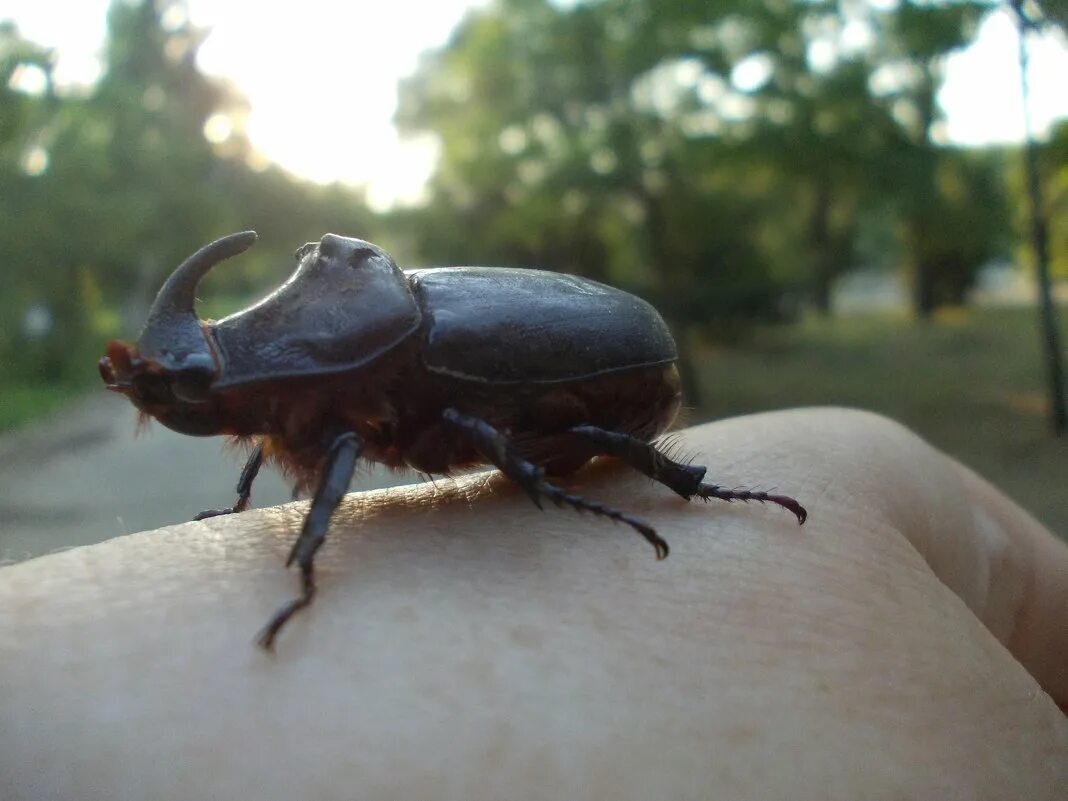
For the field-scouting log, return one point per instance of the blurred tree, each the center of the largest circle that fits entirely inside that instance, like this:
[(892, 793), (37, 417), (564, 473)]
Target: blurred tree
[(591, 138), (1054, 10), (1040, 234), (815, 122), (123, 181), (152, 105), (177, 150), (1054, 165), (27, 93), (103, 191), (972, 224), (1049, 245), (582, 137), (28, 106), (914, 42)]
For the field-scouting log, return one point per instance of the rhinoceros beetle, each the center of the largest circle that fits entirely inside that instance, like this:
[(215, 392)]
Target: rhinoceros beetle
[(436, 369)]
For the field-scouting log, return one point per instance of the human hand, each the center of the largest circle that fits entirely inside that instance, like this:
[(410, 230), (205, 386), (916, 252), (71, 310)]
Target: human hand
[(903, 644)]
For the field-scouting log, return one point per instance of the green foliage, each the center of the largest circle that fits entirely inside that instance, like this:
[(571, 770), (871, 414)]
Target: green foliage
[(615, 138), (1056, 11), (565, 145), (917, 38), (974, 388), (103, 193), (23, 401), (1055, 167), (21, 112)]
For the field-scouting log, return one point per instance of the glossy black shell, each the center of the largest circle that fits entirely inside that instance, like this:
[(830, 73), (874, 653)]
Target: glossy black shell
[(344, 306), (348, 305), (508, 326)]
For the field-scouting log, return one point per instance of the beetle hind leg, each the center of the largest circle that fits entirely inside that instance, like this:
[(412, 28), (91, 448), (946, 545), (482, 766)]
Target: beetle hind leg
[(577, 502), (708, 491), (496, 447), (685, 479)]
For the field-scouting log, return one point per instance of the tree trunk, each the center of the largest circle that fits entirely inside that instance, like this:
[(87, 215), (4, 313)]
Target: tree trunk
[(924, 297), (1051, 339), (662, 263), (819, 231)]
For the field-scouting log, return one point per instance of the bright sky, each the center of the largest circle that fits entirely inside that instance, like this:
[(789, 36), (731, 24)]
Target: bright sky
[(344, 59)]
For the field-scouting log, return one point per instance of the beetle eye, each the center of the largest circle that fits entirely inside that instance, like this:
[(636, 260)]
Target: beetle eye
[(192, 385), (302, 251)]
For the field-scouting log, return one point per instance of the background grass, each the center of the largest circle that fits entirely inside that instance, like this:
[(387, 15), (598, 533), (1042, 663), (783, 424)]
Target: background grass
[(24, 400), (971, 383)]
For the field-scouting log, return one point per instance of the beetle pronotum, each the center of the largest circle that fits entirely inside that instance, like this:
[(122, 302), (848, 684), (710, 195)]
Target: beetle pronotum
[(533, 372)]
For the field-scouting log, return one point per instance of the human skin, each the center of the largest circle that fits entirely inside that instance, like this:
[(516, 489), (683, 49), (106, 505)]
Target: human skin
[(910, 641)]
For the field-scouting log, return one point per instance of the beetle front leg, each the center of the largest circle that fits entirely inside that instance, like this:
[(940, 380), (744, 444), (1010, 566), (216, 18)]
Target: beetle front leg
[(496, 447), (244, 486), (337, 473)]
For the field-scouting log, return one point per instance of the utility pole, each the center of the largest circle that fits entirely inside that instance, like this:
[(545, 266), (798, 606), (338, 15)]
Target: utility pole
[(1040, 244)]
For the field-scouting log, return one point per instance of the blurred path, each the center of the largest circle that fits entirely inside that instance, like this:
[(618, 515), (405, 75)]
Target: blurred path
[(83, 476)]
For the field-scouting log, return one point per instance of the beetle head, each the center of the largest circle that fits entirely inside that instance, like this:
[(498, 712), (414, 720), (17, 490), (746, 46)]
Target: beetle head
[(346, 304), (169, 372)]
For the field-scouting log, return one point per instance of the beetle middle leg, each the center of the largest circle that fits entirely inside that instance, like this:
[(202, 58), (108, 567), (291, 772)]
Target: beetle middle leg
[(244, 486), (337, 473), (496, 447), (685, 479)]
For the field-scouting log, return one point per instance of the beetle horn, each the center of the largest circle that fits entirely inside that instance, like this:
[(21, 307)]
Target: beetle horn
[(172, 333), (178, 294)]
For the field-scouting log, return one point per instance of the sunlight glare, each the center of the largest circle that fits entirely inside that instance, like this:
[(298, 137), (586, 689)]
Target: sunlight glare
[(322, 84), (981, 95), (28, 79), (218, 129)]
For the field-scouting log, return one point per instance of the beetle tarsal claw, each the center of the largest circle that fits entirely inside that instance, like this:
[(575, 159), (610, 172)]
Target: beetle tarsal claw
[(294, 549), (709, 491), (266, 636), (209, 513)]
